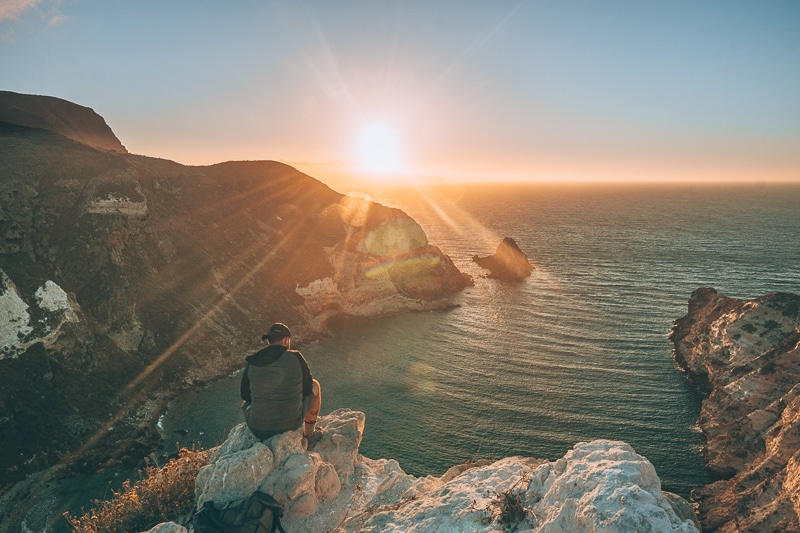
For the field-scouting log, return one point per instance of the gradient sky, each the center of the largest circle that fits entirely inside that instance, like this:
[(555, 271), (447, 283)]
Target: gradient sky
[(468, 90)]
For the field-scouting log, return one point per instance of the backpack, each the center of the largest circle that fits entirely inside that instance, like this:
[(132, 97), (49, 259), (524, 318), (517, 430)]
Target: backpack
[(257, 512)]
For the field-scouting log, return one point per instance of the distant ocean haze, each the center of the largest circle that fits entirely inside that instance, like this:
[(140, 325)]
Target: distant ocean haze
[(576, 352)]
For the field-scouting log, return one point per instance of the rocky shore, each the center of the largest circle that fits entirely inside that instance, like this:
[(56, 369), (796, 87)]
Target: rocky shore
[(745, 356)]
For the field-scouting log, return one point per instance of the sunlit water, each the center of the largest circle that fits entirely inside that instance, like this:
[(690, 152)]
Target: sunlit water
[(576, 352)]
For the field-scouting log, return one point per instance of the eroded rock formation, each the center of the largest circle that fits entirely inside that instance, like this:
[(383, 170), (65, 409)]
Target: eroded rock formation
[(597, 486), (508, 263), (745, 355)]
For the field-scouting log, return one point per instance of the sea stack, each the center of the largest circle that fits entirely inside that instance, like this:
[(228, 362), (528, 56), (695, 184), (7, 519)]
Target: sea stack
[(508, 263)]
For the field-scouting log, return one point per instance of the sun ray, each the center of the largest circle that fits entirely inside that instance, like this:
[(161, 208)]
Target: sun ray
[(464, 224)]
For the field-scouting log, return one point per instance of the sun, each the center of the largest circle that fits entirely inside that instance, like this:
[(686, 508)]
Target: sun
[(379, 149)]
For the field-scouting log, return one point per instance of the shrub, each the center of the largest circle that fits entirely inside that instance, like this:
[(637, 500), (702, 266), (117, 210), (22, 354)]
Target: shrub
[(511, 509), (163, 494), (508, 507)]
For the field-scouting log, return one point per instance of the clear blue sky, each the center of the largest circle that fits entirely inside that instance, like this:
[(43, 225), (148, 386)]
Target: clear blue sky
[(477, 90)]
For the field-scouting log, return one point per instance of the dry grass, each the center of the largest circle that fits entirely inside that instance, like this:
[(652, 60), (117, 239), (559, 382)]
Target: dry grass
[(508, 507), (511, 509), (163, 494)]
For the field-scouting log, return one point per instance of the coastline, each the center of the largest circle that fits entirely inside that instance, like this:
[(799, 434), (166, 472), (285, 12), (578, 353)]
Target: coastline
[(745, 357)]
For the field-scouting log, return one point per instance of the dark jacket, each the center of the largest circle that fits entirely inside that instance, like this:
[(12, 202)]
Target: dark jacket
[(274, 383)]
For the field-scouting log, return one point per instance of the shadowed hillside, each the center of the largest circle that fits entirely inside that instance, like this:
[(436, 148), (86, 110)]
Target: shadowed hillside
[(59, 116), (124, 279)]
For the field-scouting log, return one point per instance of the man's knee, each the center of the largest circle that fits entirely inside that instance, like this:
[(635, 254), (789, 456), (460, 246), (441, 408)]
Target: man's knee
[(313, 403)]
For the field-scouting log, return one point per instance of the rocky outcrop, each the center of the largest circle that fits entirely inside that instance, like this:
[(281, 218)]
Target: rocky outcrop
[(508, 263), (597, 486), (745, 355), (69, 120), (383, 265), (126, 279)]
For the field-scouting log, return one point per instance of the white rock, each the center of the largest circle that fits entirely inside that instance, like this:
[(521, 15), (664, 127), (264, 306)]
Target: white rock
[(53, 298), (342, 433), (113, 205), (282, 467), (319, 289), (239, 438), (600, 486), (167, 527), (14, 319), (284, 445), (17, 333), (603, 486), (234, 476)]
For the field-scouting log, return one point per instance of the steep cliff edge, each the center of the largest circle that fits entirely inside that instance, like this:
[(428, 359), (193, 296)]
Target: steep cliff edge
[(745, 355), (597, 486), (125, 279)]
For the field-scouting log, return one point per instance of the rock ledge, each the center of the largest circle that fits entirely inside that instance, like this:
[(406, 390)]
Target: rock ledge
[(597, 486)]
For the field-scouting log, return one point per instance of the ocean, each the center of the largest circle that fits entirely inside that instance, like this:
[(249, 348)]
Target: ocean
[(576, 352)]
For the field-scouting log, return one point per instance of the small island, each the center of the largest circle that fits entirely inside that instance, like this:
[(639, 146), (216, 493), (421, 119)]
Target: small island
[(508, 263)]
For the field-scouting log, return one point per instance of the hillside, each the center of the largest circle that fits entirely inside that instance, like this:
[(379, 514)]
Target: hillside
[(59, 116), (125, 279)]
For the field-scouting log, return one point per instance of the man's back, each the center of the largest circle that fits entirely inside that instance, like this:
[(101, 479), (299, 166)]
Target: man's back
[(275, 379)]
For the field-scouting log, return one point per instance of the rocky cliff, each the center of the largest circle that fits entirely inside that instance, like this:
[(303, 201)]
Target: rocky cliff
[(745, 356), (597, 486), (59, 116), (124, 279)]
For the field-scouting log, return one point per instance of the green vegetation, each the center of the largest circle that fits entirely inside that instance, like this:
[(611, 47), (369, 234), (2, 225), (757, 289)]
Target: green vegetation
[(163, 494)]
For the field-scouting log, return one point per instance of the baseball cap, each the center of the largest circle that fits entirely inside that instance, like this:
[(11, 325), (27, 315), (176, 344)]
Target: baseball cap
[(278, 331)]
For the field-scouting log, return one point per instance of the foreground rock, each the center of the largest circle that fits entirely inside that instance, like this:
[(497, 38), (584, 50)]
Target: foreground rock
[(508, 263), (597, 486), (746, 356), (126, 279)]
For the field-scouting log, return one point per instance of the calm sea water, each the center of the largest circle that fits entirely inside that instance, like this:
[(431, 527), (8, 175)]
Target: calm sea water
[(576, 352)]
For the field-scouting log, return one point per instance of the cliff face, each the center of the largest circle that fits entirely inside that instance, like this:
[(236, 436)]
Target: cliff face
[(597, 486), (126, 278), (746, 356)]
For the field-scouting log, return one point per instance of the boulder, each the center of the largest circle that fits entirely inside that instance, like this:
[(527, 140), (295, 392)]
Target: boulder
[(167, 527), (508, 263), (301, 480)]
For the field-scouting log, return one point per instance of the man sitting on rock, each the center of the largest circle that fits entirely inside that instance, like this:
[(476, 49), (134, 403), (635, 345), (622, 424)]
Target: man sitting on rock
[(278, 391)]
